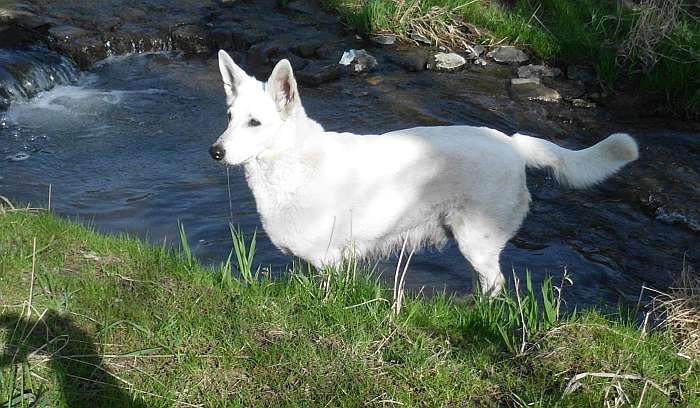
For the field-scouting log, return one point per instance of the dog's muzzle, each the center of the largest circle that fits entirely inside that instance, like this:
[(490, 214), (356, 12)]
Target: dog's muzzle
[(217, 152)]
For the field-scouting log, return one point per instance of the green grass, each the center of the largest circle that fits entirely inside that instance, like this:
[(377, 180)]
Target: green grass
[(116, 322), (562, 32)]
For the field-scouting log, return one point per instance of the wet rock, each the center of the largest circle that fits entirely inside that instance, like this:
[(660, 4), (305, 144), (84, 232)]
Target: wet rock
[(296, 61), (15, 35), (329, 52), (358, 60), (18, 12), (128, 13), (537, 71), (412, 62), (220, 38), (598, 96), (449, 61), (303, 7), (508, 54), (383, 39), (581, 73), (268, 51), (531, 89), (317, 73), (105, 24), (84, 47), (312, 8), (244, 38), (66, 33), (480, 61), (307, 49), (582, 103), (132, 38), (190, 39)]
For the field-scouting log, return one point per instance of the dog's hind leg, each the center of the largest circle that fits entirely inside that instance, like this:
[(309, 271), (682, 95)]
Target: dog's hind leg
[(482, 236), (482, 247)]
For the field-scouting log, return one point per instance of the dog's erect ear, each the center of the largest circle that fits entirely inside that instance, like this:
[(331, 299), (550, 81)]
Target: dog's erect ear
[(231, 74), (282, 87)]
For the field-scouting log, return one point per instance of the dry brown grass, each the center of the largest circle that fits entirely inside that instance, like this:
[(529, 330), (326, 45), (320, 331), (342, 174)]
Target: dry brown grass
[(657, 19), (441, 26), (680, 311)]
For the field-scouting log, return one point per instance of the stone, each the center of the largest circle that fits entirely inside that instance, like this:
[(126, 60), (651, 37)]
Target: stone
[(244, 39), (296, 61), (130, 13), (537, 71), (358, 60), (412, 62), (531, 89), (581, 73), (449, 61), (317, 73), (220, 38), (383, 39), (508, 54), (190, 39), (267, 51), (85, 47), (307, 49), (582, 103)]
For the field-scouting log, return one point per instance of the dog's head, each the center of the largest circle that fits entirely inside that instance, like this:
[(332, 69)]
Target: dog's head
[(256, 111)]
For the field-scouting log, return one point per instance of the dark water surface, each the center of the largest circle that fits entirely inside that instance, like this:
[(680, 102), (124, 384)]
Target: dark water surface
[(125, 147)]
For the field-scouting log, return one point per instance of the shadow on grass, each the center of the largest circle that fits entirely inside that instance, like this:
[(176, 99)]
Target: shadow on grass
[(83, 379)]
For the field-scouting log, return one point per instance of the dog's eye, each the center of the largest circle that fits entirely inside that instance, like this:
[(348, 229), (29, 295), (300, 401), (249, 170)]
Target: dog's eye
[(253, 122)]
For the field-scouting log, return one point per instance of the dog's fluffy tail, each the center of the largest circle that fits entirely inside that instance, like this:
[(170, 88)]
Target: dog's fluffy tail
[(578, 168)]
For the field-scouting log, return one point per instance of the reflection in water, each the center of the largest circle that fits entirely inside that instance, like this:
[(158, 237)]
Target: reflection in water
[(125, 147)]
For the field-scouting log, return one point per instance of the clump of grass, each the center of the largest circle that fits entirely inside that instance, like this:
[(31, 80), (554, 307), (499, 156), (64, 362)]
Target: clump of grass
[(679, 310)]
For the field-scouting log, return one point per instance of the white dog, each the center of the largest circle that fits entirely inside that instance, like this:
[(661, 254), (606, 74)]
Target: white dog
[(324, 195)]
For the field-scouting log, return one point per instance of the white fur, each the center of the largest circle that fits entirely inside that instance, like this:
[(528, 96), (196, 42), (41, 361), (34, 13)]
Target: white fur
[(323, 195)]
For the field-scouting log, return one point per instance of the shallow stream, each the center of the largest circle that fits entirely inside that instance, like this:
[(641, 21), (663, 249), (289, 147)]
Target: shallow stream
[(124, 147)]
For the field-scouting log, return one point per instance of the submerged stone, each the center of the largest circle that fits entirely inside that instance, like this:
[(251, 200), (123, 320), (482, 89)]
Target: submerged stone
[(190, 39), (581, 73), (582, 103), (531, 89), (317, 73), (411, 61)]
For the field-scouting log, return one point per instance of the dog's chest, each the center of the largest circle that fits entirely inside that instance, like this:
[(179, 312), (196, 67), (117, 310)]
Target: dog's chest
[(276, 189)]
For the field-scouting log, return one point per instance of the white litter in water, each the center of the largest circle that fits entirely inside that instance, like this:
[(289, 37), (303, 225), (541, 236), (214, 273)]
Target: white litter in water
[(347, 58), (17, 157), (360, 59)]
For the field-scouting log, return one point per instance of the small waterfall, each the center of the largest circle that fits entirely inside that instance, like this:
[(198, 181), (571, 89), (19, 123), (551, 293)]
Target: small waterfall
[(24, 73)]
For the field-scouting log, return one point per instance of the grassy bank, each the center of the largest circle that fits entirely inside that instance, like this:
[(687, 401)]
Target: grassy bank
[(655, 46), (94, 320)]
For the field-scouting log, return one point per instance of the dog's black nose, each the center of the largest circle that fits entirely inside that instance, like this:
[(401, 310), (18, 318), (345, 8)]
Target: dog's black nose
[(217, 152)]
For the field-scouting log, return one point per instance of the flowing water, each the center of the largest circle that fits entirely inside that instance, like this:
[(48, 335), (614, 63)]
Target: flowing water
[(124, 147)]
